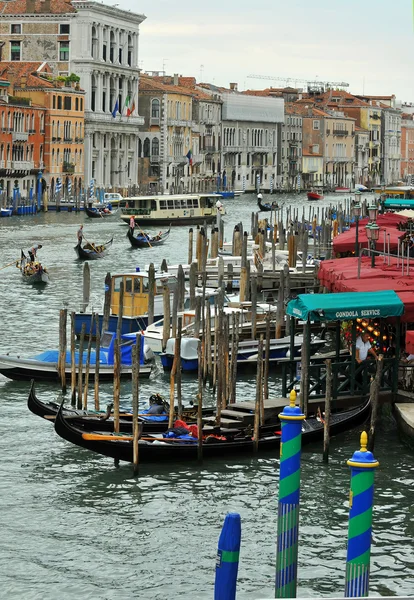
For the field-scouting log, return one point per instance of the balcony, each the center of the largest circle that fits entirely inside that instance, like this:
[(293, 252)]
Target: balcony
[(197, 159), (20, 136), (154, 121), (328, 132), (342, 159), (67, 139), (22, 165), (213, 149), (79, 140), (68, 167), (155, 158), (178, 123), (340, 132)]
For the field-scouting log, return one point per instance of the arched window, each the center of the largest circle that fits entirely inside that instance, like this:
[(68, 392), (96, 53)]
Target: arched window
[(155, 147), (155, 108), (94, 48), (146, 148)]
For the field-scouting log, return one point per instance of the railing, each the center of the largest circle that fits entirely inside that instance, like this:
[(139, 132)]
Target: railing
[(22, 165), (154, 121), (342, 132), (155, 158), (213, 148), (20, 136), (349, 378)]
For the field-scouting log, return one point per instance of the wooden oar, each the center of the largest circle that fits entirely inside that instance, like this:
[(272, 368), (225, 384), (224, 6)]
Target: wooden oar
[(10, 264), (96, 437)]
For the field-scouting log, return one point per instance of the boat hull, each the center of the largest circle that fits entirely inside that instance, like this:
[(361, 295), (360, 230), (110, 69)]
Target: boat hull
[(314, 196), (129, 324), (144, 221), (87, 254), (179, 450), (28, 369), (36, 279)]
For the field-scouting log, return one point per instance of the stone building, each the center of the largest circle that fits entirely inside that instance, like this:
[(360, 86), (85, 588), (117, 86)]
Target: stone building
[(99, 43), (289, 176), (361, 155), (407, 148), (22, 142)]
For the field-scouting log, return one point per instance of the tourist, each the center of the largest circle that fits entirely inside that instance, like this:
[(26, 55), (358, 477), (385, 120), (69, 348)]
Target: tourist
[(132, 223), (363, 347)]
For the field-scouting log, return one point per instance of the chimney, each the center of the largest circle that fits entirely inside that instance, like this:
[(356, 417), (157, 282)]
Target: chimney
[(233, 87), (30, 7), (45, 6), (175, 78), (23, 81)]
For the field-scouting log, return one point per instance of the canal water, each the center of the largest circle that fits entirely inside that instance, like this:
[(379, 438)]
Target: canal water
[(73, 526)]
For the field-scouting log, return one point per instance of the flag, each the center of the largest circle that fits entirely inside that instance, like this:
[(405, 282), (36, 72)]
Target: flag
[(189, 155), (130, 105), (116, 109)]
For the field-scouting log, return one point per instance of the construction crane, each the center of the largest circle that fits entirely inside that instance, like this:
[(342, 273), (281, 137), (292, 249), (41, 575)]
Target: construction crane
[(311, 84)]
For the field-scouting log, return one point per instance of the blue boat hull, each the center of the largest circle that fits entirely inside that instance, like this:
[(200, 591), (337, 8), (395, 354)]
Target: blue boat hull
[(129, 324)]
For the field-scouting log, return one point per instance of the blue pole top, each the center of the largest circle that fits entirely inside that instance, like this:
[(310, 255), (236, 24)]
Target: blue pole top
[(292, 412), (363, 459)]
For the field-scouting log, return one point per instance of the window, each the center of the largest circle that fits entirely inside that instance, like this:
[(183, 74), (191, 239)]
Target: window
[(15, 28), (59, 102), (64, 51), (316, 125), (15, 51), (67, 103), (64, 28), (155, 109)]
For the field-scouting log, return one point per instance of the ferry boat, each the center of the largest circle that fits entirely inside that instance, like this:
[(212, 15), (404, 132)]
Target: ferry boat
[(186, 209)]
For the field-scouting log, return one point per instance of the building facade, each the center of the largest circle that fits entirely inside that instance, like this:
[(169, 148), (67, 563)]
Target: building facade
[(339, 150), (99, 43), (289, 173), (407, 148), (361, 155)]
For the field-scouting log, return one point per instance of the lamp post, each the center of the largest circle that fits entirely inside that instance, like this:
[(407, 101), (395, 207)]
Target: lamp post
[(357, 213), (373, 231)]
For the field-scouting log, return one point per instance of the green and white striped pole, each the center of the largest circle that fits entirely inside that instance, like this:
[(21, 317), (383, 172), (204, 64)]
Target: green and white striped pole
[(361, 497), (288, 508)]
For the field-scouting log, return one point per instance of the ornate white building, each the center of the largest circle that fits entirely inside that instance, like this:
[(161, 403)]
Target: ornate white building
[(104, 53)]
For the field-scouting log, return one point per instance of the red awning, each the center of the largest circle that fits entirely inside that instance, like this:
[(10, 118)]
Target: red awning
[(388, 223)]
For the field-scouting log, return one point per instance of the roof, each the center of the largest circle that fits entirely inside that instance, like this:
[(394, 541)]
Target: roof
[(29, 7), (152, 84), (15, 70), (346, 306), (361, 130)]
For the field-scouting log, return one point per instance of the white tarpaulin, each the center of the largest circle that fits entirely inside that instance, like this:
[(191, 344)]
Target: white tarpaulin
[(259, 109)]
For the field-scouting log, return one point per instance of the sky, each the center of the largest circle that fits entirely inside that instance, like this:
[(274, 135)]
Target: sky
[(366, 43)]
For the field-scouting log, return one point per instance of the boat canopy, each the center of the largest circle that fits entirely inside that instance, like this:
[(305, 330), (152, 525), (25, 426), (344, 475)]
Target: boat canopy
[(399, 203), (346, 306)]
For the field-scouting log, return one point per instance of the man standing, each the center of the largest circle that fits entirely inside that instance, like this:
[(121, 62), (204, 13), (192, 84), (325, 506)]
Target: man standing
[(132, 223), (80, 235), (33, 250), (363, 348)]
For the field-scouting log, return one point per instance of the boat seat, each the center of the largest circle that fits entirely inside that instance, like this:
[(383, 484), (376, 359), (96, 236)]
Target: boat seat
[(243, 417), (229, 422)]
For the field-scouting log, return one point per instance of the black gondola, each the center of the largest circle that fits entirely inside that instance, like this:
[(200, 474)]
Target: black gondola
[(157, 448), (144, 240), (103, 421), (99, 213), (266, 207), (92, 251)]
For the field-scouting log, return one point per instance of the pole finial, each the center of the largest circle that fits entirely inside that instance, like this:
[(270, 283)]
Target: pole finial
[(292, 398), (364, 441)]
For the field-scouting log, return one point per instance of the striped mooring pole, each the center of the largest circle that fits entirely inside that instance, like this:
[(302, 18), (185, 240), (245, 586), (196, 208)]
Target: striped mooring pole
[(227, 562), (288, 508), (361, 497)]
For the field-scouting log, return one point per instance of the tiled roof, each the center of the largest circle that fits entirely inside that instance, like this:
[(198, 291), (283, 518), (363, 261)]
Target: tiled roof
[(309, 153), (147, 83), (29, 7), (361, 129), (13, 71)]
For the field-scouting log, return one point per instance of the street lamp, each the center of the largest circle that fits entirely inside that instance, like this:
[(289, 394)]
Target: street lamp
[(373, 213), (373, 231), (357, 208)]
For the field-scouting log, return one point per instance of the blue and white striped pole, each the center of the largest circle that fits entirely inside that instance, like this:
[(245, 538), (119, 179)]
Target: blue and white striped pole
[(227, 562), (271, 184), (39, 190), (244, 183), (69, 188), (91, 188), (58, 188)]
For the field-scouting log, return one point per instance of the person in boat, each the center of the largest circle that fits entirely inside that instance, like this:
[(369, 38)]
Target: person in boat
[(132, 223), (80, 235), (156, 405), (33, 251), (259, 197)]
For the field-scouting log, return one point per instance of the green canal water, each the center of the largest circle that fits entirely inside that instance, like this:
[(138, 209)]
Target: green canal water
[(72, 526)]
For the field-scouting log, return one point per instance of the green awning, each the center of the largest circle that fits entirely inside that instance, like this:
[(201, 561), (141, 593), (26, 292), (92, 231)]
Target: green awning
[(346, 306)]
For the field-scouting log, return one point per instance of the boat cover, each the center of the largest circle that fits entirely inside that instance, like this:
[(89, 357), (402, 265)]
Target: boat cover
[(346, 306)]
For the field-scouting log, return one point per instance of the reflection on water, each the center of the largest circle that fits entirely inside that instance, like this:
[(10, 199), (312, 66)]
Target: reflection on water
[(73, 526)]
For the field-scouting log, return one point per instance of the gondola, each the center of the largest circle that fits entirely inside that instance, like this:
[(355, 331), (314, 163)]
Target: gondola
[(266, 207), (92, 251), (103, 420), (32, 272), (99, 212), (314, 196), (153, 448), (144, 240)]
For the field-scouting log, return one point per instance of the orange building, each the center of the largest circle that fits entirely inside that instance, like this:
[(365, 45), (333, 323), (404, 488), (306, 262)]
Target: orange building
[(62, 157), (407, 148), (22, 141)]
